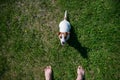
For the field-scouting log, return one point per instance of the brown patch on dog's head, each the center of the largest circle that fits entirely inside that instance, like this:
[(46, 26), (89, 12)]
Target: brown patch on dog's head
[(63, 36), (59, 33)]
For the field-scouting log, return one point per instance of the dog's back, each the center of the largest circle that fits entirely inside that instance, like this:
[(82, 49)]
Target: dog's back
[(65, 25)]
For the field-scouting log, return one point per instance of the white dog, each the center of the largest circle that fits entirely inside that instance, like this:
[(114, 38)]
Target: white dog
[(64, 30)]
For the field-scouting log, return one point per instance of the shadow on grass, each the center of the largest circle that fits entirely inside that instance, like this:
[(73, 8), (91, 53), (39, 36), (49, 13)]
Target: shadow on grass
[(53, 76), (3, 66), (74, 42), (84, 78), (7, 1)]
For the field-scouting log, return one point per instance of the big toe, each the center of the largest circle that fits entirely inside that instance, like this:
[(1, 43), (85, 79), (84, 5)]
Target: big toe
[(80, 70)]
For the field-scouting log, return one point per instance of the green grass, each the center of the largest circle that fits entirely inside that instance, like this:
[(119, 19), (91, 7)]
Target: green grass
[(29, 41)]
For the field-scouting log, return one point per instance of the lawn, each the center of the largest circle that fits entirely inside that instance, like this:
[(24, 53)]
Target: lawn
[(29, 40)]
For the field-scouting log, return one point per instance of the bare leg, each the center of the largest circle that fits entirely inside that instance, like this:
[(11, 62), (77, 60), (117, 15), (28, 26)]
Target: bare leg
[(48, 73), (80, 73)]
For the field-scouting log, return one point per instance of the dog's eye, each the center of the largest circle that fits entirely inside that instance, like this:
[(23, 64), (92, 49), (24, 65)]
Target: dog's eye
[(60, 37), (65, 37)]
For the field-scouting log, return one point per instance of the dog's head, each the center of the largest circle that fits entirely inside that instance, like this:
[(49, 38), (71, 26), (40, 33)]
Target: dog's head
[(63, 36)]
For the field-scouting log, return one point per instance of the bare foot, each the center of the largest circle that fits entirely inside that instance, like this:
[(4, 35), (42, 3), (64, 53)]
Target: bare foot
[(80, 72), (48, 73)]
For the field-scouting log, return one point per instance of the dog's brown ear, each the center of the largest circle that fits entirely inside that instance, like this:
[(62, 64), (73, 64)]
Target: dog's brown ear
[(59, 33)]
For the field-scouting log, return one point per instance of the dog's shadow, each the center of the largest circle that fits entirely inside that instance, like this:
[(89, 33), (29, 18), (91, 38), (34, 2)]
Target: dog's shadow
[(73, 42)]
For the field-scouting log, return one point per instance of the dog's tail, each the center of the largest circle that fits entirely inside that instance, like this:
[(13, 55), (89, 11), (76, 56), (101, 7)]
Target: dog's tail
[(65, 16)]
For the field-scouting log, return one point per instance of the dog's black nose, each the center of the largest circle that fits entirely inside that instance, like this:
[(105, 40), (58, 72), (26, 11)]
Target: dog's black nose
[(63, 42)]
